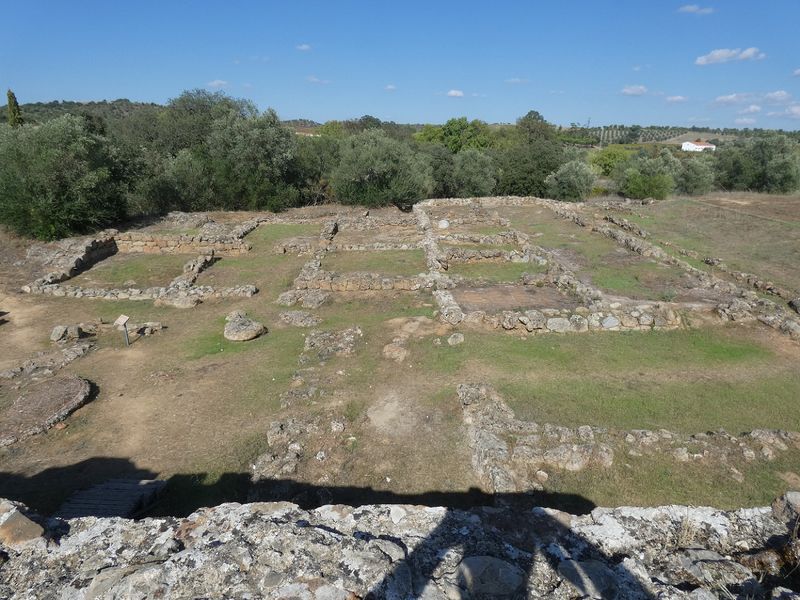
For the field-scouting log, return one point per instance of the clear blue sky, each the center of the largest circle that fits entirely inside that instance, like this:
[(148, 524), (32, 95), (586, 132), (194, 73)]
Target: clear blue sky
[(717, 63)]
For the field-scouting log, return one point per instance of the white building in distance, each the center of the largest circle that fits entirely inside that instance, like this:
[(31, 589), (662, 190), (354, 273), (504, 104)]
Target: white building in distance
[(697, 146)]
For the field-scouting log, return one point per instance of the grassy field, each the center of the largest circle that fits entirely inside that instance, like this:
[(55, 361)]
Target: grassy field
[(270, 272), (598, 259), (743, 237), (386, 262), (133, 270), (493, 272)]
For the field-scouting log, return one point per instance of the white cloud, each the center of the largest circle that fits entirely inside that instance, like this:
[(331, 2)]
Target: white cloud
[(315, 79), (557, 92), (736, 98), (698, 119), (217, 83), (676, 99), (247, 86), (796, 73), (694, 9), (455, 94), (750, 110), (390, 87), (778, 97), (723, 55), (516, 80), (792, 112), (745, 121), (303, 47), (633, 90)]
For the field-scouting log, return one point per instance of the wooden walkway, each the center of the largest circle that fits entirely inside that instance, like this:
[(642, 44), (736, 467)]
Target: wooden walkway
[(112, 498)]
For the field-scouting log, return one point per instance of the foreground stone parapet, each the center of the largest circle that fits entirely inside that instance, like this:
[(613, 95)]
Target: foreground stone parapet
[(278, 550)]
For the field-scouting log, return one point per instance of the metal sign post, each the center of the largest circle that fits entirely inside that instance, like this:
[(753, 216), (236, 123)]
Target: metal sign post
[(122, 323)]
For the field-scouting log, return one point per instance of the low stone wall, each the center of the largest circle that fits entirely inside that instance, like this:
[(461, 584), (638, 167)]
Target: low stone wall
[(453, 254), (69, 257), (644, 317), (179, 297), (355, 282), (134, 242), (375, 246), (511, 455), (743, 305)]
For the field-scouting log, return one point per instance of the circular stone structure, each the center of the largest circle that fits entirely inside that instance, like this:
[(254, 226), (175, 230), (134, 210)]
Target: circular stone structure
[(40, 406)]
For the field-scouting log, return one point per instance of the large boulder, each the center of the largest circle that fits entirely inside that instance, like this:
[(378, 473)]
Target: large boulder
[(241, 328)]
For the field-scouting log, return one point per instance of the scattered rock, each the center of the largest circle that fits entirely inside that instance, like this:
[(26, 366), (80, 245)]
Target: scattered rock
[(59, 333), (456, 339), (325, 344), (240, 328), (300, 318), (395, 351), (177, 301), (15, 528)]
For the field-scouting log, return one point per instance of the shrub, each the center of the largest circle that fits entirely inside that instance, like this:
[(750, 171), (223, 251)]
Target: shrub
[(58, 179), (376, 170), (635, 184), (607, 159), (473, 174), (572, 181)]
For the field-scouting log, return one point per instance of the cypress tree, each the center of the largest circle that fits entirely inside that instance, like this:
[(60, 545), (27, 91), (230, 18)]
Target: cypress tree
[(14, 113)]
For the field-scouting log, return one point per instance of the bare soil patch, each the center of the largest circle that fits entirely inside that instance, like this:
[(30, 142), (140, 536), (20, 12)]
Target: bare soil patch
[(498, 298)]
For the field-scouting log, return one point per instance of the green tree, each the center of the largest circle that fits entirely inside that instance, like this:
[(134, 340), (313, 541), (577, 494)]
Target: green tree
[(58, 179), (376, 170), (441, 161), (250, 158), (523, 168), (532, 127), (635, 184), (696, 177), (458, 134), (14, 112), (607, 159), (311, 168), (573, 181), (473, 174), (187, 120), (769, 163), (333, 129)]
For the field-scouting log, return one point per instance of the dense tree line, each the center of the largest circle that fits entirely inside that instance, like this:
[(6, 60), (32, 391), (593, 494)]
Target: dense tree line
[(77, 172)]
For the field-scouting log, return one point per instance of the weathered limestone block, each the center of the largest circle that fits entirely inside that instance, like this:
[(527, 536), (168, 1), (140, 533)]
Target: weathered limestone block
[(240, 328)]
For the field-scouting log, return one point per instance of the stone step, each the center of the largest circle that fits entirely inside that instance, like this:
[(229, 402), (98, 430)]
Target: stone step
[(112, 498)]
